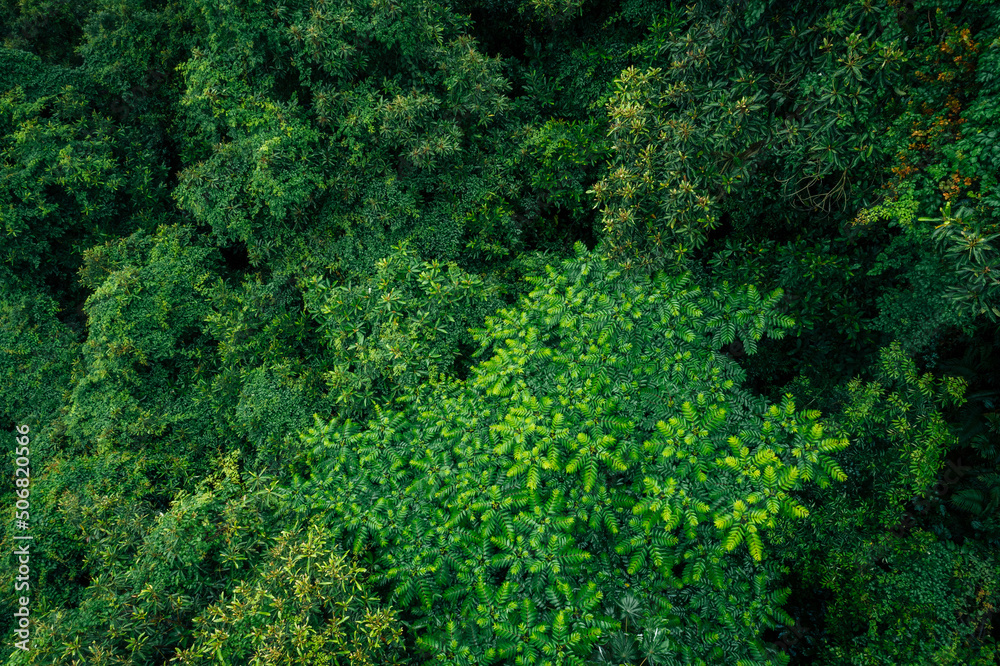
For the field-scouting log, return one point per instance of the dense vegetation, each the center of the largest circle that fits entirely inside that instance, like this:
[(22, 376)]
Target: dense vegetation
[(503, 331)]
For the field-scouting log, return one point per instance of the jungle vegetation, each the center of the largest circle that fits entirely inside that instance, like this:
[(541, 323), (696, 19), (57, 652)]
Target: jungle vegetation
[(529, 332)]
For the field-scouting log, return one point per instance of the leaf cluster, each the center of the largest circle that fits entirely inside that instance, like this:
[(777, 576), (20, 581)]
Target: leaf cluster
[(603, 445)]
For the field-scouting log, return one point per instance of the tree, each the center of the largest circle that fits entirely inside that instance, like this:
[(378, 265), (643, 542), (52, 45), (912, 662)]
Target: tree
[(351, 125), (149, 573), (902, 580), (144, 340), (604, 449), (723, 95), (302, 606), (405, 324)]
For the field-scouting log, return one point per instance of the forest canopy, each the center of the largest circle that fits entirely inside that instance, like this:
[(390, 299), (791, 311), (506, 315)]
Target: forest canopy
[(468, 332)]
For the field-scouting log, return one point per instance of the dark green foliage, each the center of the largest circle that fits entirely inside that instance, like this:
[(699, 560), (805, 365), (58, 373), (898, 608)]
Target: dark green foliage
[(39, 351), (901, 590), (722, 94), (916, 600), (947, 160), (73, 174), (154, 571), (131, 48), (564, 151), (319, 95), (222, 219), (144, 340), (49, 28), (908, 418), (58, 167), (264, 379)]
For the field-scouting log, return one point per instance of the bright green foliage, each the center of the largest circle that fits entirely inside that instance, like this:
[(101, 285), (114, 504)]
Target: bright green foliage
[(301, 607), (401, 326), (221, 217), (604, 446), (901, 435)]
